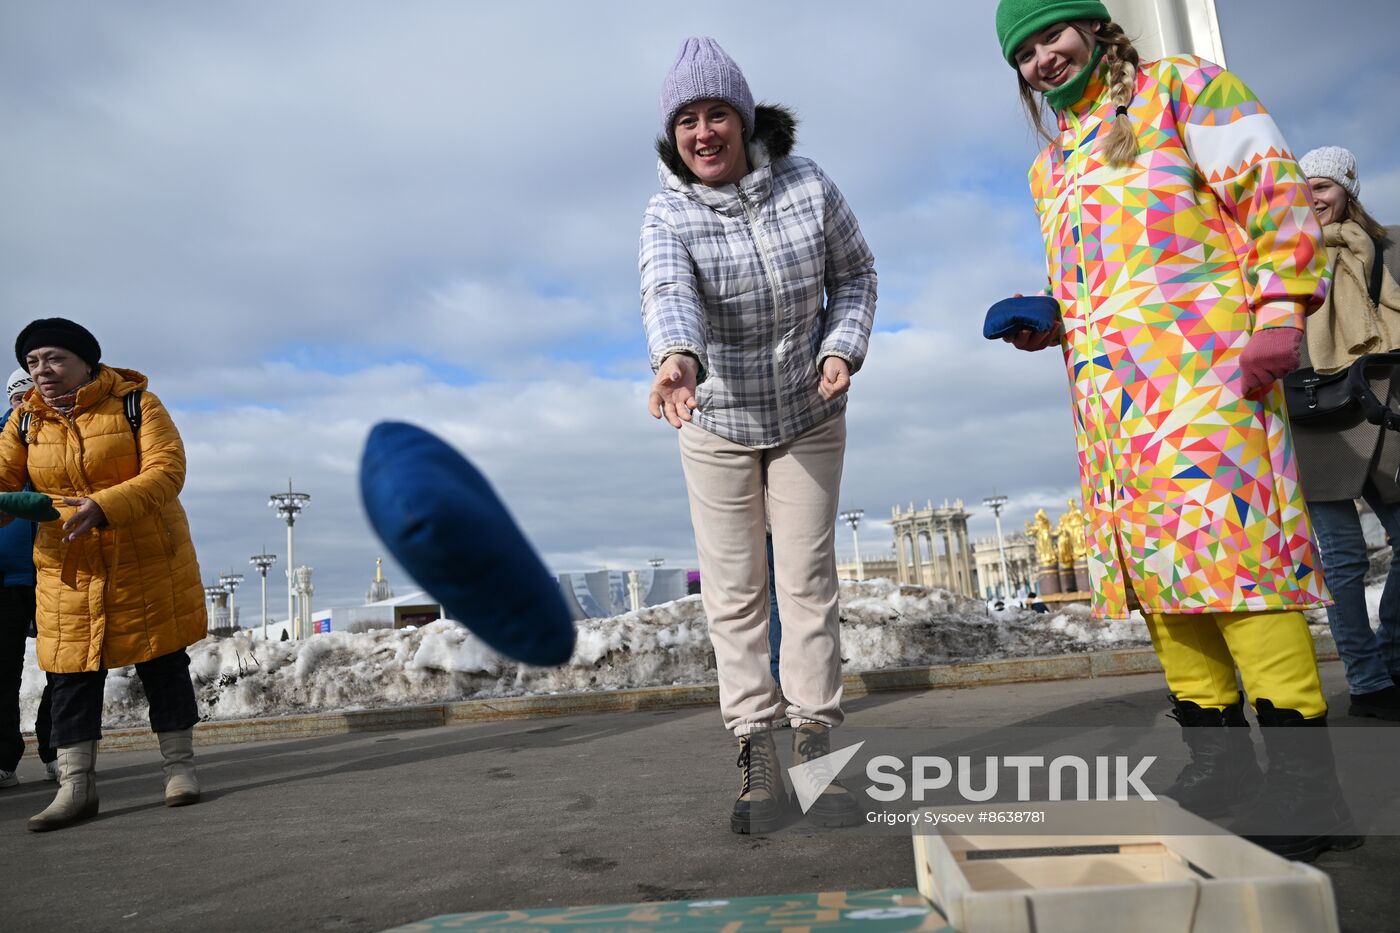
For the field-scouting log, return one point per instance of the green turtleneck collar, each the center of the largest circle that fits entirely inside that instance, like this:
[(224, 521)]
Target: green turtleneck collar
[(1069, 93)]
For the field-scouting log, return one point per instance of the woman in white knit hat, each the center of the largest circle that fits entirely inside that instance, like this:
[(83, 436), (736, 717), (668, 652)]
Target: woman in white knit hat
[(17, 621), (758, 295), (1341, 456)]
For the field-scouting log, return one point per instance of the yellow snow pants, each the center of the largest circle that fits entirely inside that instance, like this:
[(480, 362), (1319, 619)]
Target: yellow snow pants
[(1273, 651)]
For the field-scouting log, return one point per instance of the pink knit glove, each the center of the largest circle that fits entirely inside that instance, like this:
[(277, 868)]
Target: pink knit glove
[(1271, 353)]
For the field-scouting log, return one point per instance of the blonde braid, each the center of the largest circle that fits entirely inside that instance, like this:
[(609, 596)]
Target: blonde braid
[(1121, 144)]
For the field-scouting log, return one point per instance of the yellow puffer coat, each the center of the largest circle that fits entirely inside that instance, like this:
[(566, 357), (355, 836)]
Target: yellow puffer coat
[(132, 590)]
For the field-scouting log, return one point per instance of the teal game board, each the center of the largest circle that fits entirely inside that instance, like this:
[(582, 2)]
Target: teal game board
[(901, 910)]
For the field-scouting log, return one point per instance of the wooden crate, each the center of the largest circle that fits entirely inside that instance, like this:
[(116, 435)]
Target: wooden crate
[(1185, 876)]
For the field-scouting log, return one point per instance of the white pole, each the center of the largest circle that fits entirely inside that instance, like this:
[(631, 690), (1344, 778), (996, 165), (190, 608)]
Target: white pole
[(996, 504), (264, 601), (852, 517), (1001, 551), (292, 621), (860, 567)]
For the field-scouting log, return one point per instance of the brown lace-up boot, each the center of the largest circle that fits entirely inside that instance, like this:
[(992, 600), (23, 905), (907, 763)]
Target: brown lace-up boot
[(835, 806), (762, 806)]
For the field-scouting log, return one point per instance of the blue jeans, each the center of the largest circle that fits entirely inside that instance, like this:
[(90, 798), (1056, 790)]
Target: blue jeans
[(775, 627), (1371, 659)]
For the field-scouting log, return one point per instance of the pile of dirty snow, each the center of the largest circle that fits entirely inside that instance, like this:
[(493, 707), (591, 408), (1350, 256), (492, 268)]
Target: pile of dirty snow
[(883, 625)]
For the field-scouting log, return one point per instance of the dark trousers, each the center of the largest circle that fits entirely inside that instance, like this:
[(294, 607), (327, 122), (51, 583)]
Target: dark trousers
[(77, 699), (16, 614)]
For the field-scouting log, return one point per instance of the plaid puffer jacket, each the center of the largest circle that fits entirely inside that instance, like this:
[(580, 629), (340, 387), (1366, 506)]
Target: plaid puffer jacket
[(760, 281)]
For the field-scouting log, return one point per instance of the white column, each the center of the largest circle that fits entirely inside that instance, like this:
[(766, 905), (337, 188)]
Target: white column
[(293, 622)]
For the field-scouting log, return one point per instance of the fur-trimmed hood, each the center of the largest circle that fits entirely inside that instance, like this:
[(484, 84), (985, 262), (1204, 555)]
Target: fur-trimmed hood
[(774, 129)]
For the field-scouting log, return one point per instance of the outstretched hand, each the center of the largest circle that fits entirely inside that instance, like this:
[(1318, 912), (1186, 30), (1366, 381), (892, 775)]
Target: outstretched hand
[(672, 393), (1032, 341), (836, 378), (88, 517)]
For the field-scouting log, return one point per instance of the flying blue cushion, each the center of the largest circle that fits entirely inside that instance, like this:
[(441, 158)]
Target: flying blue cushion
[(446, 527), (1034, 312), (30, 506)]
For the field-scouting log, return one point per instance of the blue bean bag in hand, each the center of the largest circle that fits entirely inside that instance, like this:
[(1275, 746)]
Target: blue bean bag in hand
[(447, 528), (1035, 313)]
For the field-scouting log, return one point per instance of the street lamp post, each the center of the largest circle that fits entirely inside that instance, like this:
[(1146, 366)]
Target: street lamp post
[(852, 517), (262, 562), (230, 581), (996, 504), (289, 505)]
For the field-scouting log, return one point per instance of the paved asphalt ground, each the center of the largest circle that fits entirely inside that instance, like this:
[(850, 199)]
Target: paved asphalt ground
[(370, 830)]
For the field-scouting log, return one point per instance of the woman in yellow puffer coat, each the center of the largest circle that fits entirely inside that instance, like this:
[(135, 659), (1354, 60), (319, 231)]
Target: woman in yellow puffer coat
[(117, 580)]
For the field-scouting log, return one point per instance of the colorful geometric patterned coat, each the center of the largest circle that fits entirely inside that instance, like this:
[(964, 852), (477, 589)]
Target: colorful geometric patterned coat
[(1163, 270)]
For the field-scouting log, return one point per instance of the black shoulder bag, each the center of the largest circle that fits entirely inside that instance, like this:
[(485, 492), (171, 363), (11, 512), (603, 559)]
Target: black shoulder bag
[(1314, 398)]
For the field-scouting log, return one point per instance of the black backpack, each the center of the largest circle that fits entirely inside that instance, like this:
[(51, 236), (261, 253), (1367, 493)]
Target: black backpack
[(131, 407)]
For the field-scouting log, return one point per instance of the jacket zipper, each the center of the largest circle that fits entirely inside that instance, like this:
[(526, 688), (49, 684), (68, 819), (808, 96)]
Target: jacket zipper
[(82, 470), (1100, 424), (87, 494), (762, 243)]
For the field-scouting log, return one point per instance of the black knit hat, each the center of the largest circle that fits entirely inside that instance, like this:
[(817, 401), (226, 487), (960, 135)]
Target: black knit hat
[(58, 332)]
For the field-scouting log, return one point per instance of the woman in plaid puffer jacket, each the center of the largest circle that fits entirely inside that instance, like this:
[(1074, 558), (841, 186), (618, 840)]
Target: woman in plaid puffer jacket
[(758, 295)]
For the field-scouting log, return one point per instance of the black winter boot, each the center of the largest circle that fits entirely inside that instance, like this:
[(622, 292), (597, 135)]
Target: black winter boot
[(1222, 772), (762, 806), (1300, 812), (1378, 704), (835, 806)]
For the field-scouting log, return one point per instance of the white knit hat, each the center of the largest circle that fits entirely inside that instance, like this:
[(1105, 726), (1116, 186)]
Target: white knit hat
[(1335, 163), (19, 381)]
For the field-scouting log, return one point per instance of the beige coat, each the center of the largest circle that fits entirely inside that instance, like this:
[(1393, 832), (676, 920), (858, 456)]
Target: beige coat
[(1349, 324)]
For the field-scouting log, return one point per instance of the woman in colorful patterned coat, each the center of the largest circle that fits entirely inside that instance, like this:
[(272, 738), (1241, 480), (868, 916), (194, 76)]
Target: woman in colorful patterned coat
[(1184, 254), (118, 583)]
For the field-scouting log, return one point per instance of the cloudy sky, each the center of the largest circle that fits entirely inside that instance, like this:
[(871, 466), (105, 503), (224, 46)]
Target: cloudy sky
[(303, 218)]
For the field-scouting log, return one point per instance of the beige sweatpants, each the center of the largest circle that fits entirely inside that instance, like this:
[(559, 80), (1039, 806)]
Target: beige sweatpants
[(726, 482)]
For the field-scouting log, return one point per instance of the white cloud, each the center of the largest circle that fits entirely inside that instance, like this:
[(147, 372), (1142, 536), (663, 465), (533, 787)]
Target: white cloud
[(301, 219)]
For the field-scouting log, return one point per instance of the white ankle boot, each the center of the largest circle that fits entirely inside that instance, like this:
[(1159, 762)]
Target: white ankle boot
[(181, 783), (77, 789)]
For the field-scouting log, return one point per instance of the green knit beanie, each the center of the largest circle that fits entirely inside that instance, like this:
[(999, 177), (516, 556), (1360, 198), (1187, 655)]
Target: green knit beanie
[(1018, 20)]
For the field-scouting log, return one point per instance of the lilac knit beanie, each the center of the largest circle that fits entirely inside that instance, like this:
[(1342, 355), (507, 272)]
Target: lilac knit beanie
[(703, 71)]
